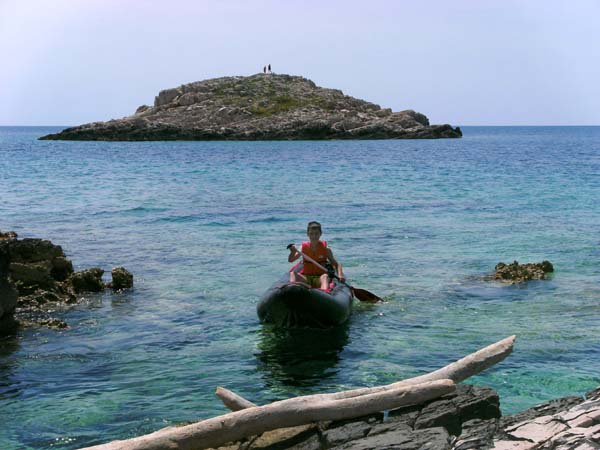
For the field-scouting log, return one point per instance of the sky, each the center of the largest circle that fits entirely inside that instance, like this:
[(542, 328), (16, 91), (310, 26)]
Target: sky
[(464, 62)]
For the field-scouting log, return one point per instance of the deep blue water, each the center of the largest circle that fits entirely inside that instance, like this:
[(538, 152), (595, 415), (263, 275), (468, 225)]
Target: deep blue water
[(204, 225)]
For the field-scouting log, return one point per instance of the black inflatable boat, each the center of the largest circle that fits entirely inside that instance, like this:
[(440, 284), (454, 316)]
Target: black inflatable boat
[(296, 305)]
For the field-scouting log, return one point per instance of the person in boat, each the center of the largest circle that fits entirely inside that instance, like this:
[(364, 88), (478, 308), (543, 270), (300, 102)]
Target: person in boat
[(317, 250)]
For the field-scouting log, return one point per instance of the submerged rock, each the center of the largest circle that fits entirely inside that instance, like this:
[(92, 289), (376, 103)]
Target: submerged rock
[(259, 107), (53, 322), (519, 273)]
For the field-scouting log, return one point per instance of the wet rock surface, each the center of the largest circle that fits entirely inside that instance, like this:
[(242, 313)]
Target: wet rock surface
[(468, 419), (89, 280), (121, 279), (259, 107), (519, 273), (36, 278)]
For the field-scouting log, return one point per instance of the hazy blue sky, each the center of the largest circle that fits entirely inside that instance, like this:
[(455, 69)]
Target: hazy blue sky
[(65, 62)]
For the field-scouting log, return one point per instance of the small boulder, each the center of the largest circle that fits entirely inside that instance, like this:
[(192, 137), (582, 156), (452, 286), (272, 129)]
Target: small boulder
[(121, 279), (89, 280)]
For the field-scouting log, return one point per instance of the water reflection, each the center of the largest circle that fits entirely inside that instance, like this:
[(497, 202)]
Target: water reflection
[(300, 357)]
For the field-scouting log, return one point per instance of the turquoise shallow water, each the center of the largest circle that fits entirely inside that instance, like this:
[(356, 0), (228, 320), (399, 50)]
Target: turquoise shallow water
[(203, 226)]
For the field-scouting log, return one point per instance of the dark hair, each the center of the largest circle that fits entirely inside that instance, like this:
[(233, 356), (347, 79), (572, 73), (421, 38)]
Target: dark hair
[(314, 224)]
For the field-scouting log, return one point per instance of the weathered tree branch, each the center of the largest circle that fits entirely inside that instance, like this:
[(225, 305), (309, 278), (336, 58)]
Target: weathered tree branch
[(232, 400), (286, 413)]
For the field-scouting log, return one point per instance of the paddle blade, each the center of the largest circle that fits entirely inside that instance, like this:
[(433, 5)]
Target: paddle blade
[(365, 296)]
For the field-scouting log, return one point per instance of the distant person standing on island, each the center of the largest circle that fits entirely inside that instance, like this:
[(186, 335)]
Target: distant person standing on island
[(265, 70), (270, 68)]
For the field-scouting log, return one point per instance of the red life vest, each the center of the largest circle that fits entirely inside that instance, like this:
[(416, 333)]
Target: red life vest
[(320, 255)]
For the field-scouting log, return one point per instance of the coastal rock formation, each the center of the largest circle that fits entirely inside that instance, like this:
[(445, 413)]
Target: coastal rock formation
[(519, 273), (259, 107), (36, 276)]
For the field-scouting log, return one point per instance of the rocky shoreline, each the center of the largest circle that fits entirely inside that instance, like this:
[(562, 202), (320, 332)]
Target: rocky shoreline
[(259, 107), (36, 277), (467, 419)]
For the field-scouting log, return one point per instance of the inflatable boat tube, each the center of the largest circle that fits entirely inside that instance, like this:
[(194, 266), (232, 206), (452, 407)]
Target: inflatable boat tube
[(296, 305)]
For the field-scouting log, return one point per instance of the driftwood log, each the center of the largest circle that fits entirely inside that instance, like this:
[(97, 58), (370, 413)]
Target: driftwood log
[(286, 413), (457, 371), (233, 401), (250, 420)]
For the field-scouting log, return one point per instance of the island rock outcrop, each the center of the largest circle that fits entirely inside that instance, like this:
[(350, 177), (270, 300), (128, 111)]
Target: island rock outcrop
[(259, 107)]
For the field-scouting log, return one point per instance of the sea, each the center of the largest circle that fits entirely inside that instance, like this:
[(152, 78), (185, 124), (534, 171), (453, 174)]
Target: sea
[(204, 226)]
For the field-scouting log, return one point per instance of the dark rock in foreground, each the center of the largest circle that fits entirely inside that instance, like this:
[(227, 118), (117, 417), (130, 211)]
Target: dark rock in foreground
[(36, 277), (520, 273), (259, 107)]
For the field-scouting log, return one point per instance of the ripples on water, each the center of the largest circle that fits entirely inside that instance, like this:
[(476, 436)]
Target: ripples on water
[(204, 226)]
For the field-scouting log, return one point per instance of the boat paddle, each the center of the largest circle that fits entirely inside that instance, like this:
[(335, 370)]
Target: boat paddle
[(362, 294)]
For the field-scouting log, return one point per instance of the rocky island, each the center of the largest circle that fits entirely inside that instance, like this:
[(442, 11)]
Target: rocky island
[(259, 107)]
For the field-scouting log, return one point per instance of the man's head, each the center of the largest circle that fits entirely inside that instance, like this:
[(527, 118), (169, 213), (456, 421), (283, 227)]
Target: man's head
[(313, 230)]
